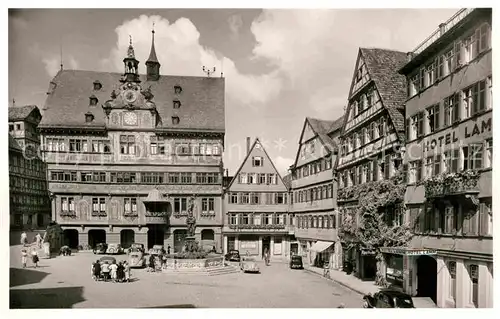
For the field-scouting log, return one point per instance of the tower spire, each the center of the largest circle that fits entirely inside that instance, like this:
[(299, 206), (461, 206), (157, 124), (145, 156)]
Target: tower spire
[(152, 64)]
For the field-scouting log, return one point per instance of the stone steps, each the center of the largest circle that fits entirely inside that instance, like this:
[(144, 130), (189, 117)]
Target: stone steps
[(213, 271)]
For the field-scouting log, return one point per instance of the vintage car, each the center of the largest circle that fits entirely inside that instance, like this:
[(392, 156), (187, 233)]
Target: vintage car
[(157, 250), (388, 298), (100, 248), (296, 262), (135, 247), (136, 259), (114, 249), (249, 264), (233, 255)]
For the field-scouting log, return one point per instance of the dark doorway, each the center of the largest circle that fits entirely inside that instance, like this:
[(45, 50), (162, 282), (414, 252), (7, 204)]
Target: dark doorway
[(207, 239), (294, 249), (369, 267), (39, 220), (266, 244), (127, 238), (179, 239), (96, 236), (231, 243), (156, 235), (427, 277), (70, 238)]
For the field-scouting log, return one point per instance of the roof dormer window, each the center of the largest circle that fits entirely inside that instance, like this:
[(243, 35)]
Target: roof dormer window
[(177, 104), (97, 85), (89, 117), (177, 89), (93, 100), (175, 120)]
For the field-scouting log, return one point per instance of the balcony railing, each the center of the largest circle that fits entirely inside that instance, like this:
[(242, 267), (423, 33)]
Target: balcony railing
[(466, 182), (445, 27)]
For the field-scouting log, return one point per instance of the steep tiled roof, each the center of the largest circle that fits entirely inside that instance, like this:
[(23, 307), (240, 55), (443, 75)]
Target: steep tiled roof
[(287, 180), (18, 113), (202, 100), (322, 127), (13, 145), (336, 125), (383, 66)]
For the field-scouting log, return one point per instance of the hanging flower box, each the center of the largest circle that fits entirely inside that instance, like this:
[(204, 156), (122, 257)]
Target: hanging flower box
[(452, 184)]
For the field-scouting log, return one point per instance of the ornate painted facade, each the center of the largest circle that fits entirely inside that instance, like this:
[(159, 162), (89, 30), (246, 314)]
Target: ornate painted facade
[(125, 152), (449, 154)]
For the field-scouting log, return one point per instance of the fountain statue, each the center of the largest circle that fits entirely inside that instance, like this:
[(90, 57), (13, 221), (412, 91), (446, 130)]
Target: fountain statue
[(191, 244)]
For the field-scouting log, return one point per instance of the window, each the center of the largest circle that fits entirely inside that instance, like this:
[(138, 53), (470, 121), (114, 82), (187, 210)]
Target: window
[(174, 178), (473, 156), (483, 36), (359, 174), (328, 163), (266, 219), (101, 146), (474, 99), (122, 177), (412, 127), (430, 74), (451, 109), (93, 101), (450, 219), (415, 171), (175, 120), (11, 127), (433, 118), (207, 205), (233, 218), (152, 178), (55, 145), (474, 277), (255, 198), (369, 171), (413, 85), (488, 159), (257, 161), (245, 219), (448, 62), (130, 206), (242, 178), (245, 198), (68, 204), (272, 179), (99, 177), (18, 127), (177, 104), (363, 136), (469, 45), (451, 160), (99, 206), (233, 198), (180, 205), (280, 198), (186, 178), (78, 145), (452, 268), (127, 144), (157, 145)]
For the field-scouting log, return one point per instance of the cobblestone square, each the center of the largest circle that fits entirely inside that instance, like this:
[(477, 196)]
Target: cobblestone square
[(65, 282)]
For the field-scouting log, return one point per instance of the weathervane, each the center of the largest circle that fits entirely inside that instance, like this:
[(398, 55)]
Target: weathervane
[(208, 72)]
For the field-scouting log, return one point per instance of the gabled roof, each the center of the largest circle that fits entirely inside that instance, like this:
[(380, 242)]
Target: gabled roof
[(336, 125), (382, 66), (246, 158), (13, 145), (202, 100), (19, 113)]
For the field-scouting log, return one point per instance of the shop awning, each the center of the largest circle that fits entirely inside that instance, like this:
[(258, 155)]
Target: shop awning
[(320, 246)]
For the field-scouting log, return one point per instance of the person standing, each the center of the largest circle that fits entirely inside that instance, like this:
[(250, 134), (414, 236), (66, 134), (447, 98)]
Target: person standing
[(34, 257), (97, 270), (24, 257), (105, 270), (113, 271), (38, 239), (168, 250), (24, 239), (126, 269)]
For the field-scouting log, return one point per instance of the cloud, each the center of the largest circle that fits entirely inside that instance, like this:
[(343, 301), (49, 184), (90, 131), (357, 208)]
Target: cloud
[(52, 64), (180, 53), (235, 23), (282, 164)]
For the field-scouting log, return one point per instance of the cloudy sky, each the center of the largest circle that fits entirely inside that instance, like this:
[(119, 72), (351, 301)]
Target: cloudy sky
[(280, 65)]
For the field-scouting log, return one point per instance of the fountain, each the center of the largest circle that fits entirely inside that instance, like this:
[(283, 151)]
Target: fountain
[(191, 247)]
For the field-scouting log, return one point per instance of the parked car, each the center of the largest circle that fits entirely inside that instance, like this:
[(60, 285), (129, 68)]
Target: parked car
[(100, 248), (157, 250), (114, 249), (136, 259), (249, 264), (296, 262), (135, 247), (233, 255), (388, 298)]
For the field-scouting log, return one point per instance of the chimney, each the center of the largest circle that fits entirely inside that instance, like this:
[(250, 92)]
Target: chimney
[(442, 28), (227, 172), (409, 56), (248, 145)]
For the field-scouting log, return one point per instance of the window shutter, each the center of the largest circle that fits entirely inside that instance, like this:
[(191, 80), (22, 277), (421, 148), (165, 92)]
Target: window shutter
[(375, 170), (477, 46), (408, 123), (483, 219), (420, 123), (387, 166), (437, 119)]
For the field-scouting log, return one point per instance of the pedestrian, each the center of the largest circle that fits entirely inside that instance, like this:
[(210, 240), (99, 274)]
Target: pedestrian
[(97, 270), (105, 271), (34, 257), (151, 263), (112, 270), (126, 269), (120, 272), (24, 239), (214, 250), (38, 239), (168, 250), (24, 257)]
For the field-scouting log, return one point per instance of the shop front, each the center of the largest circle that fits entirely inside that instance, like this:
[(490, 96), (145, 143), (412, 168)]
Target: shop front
[(412, 270), (322, 251)]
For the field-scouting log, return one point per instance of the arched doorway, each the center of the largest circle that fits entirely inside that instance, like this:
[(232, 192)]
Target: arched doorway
[(39, 220), (127, 238), (96, 236), (70, 238), (427, 277), (179, 239), (207, 239)]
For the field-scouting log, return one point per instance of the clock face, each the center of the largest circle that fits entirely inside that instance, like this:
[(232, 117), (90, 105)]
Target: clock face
[(130, 118), (130, 96)]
